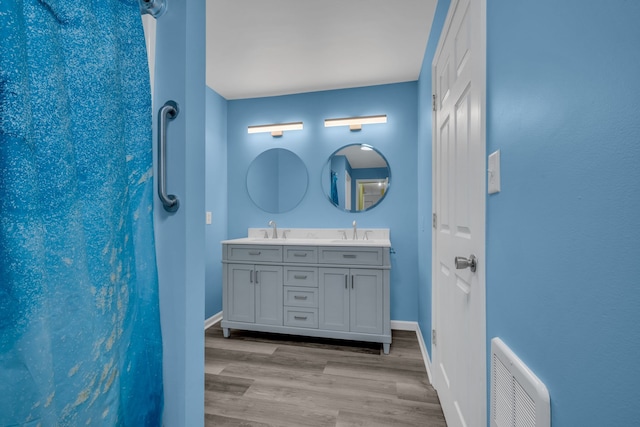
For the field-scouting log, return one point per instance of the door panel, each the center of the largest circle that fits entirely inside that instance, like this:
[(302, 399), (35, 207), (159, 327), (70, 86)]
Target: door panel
[(334, 299), (241, 298), (462, 170), (366, 301), (269, 295)]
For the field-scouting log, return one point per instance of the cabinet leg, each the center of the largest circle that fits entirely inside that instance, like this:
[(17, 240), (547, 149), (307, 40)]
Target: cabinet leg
[(385, 348), (226, 332)]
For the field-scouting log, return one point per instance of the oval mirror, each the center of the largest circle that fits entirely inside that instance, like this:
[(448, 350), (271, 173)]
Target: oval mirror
[(356, 178), (277, 180)]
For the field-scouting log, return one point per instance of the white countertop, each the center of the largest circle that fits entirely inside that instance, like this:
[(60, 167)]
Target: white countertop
[(377, 237)]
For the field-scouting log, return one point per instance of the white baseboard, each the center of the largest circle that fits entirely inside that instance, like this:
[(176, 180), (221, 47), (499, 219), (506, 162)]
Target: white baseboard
[(403, 325), (212, 320), (425, 354)]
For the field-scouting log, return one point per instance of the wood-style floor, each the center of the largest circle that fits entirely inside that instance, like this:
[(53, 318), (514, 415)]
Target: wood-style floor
[(259, 379)]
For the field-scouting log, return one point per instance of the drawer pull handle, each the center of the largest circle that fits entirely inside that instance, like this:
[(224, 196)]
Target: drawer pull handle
[(348, 255), (299, 297), (254, 253), (300, 254), (346, 281), (300, 317), (300, 276)]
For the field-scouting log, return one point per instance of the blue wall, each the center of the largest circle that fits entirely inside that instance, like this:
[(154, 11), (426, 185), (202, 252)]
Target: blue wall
[(424, 175), (216, 198), (314, 144), (180, 237), (563, 281)]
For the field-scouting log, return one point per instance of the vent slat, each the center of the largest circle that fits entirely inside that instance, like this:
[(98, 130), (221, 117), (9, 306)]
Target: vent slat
[(518, 397)]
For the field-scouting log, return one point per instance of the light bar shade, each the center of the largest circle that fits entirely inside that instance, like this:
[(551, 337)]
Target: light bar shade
[(275, 129), (355, 123)]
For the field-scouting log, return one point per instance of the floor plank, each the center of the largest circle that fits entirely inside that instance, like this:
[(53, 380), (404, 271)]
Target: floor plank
[(257, 379)]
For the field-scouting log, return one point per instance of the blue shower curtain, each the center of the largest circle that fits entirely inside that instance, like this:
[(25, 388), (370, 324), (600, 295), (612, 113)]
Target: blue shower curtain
[(80, 339)]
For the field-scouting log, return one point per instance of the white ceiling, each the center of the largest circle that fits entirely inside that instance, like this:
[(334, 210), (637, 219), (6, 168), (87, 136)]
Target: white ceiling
[(258, 48), (359, 158)]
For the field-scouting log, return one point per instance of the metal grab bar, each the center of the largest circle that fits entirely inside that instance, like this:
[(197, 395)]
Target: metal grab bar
[(168, 111), (155, 8)]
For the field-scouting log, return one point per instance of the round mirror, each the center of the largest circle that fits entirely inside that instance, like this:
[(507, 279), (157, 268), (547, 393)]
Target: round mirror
[(277, 180), (356, 178)]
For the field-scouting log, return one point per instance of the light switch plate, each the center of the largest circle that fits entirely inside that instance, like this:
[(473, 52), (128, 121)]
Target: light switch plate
[(493, 172), (208, 218)]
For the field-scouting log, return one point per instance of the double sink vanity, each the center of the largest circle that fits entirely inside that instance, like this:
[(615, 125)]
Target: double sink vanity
[(331, 283)]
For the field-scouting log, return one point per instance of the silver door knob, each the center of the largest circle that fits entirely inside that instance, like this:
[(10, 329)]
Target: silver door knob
[(462, 262)]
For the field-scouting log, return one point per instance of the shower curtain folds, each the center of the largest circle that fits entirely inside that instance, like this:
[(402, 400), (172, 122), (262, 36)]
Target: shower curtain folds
[(80, 340)]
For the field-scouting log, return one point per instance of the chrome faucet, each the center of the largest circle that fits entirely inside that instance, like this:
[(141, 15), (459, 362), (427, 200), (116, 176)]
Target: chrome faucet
[(355, 231), (275, 229)]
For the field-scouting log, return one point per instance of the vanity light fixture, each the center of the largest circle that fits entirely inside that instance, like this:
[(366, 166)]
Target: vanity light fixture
[(275, 129), (355, 123)]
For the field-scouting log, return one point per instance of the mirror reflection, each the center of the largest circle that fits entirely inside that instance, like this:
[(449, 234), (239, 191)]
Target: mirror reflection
[(356, 178), (277, 180)]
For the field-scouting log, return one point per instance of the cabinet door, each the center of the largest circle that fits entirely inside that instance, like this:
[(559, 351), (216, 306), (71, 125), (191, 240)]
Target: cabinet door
[(334, 299), (240, 297), (366, 301), (269, 298)]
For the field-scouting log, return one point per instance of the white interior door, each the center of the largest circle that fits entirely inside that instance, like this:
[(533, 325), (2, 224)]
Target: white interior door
[(458, 342)]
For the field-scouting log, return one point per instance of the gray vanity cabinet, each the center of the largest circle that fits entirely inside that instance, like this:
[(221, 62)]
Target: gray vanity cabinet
[(253, 285), (351, 300), (321, 291), (255, 293)]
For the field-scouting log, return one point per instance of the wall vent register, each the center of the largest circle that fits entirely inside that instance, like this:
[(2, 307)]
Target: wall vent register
[(518, 397)]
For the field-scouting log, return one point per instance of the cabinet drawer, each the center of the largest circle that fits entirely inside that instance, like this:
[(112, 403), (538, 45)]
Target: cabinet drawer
[(262, 253), (301, 297), (306, 254), (351, 256), (301, 317), (303, 276)]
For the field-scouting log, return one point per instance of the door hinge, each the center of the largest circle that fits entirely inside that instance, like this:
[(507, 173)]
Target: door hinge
[(433, 101), (433, 336), (435, 220)]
